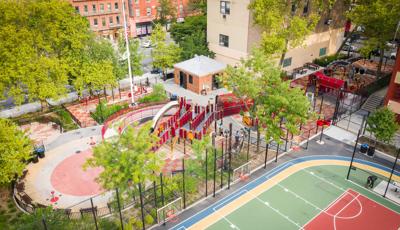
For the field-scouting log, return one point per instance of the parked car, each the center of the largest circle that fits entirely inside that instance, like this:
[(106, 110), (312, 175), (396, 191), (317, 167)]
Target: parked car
[(348, 47), (393, 55), (155, 71), (146, 44)]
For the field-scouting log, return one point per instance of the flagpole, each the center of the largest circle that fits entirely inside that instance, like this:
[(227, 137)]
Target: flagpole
[(128, 52)]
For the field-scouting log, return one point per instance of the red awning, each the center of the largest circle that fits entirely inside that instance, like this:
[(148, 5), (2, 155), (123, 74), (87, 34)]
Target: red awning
[(329, 82)]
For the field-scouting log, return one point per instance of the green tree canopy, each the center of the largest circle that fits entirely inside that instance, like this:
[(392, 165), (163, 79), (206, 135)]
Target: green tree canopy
[(15, 150), (136, 56), (191, 25), (166, 12), (41, 46), (380, 18), (382, 124), (285, 23), (195, 44), (274, 100), (128, 158), (198, 6), (164, 55)]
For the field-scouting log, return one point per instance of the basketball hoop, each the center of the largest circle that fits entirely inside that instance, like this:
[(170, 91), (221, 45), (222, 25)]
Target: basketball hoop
[(244, 177), (171, 216), (296, 148)]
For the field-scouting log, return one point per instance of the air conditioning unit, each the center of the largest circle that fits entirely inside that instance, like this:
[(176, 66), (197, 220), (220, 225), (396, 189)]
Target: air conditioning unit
[(328, 21), (224, 16)]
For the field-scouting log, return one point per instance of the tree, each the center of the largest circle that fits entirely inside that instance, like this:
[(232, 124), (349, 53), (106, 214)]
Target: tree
[(286, 23), (165, 12), (198, 6), (129, 158), (275, 102), (164, 55), (380, 18), (41, 46), (196, 167), (382, 124), (136, 56), (192, 24), (15, 150), (195, 44)]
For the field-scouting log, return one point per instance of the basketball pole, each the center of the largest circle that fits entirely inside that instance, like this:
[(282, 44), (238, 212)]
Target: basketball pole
[(391, 173), (230, 155), (352, 157), (266, 155)]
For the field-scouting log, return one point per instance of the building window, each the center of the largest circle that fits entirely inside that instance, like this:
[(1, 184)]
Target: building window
[(94, 8), (322, 51), (103, 22), (287, 62), (190, 79), (117, 19), (116, 6), (95, 22), (225, 7), (306, 8), (102, 7), (109, 7), (136, 1), (148, 11), (110, 19), (223, 40), (137, 12), (77, 9), (85, 8)]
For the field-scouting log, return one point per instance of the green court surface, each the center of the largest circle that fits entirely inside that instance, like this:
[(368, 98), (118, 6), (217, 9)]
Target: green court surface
[(317, 197)]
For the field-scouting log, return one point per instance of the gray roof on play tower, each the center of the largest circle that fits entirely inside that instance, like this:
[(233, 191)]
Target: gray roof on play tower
[(201, 66)]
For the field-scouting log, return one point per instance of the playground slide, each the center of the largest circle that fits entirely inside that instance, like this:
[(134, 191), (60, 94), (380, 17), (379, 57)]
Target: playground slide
[(162, 111)]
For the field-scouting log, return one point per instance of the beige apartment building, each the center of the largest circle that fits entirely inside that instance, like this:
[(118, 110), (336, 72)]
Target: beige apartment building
[(232, 34)]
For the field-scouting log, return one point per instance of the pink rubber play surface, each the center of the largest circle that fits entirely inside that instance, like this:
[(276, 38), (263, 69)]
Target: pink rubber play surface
[(69, 177)]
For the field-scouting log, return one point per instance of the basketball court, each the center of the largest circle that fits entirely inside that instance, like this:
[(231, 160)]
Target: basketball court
[(312, 194)]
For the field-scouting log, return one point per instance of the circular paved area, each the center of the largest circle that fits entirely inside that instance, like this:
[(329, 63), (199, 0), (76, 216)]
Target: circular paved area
[(69, 177)]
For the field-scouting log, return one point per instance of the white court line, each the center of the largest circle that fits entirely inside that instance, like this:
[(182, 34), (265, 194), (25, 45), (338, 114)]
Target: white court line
[(181, 228), (334, 217), (276, 210)]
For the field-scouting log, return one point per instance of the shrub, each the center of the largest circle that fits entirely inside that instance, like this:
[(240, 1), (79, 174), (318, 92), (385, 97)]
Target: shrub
[(157, 95), (148, 219), (326, 60), (65, 120), (104, 111)]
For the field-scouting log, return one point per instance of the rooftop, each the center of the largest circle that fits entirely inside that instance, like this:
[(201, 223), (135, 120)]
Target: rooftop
[(201, 66)]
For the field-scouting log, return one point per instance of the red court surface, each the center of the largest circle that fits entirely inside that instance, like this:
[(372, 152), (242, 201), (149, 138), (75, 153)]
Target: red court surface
[(354, 211), (69, 177)]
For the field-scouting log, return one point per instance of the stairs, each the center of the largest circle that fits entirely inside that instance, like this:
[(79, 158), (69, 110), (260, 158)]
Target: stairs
[(373, 102)]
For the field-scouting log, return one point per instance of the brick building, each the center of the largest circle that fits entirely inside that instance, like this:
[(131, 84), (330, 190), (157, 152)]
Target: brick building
[(105, 16), (198, 74), (392, 99)]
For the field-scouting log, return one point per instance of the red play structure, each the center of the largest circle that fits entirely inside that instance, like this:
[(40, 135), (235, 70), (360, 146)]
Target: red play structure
[(192, 121)]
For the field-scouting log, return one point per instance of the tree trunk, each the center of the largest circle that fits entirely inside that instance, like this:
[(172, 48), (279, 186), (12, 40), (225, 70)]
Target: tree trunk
[(284, 53), (346, 39), (379, 69)]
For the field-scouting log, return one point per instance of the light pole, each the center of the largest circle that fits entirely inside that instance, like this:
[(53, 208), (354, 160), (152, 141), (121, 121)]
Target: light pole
[(129, 53)]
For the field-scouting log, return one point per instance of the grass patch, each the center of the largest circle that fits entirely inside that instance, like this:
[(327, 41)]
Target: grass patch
[(104, 111), (157, 95)]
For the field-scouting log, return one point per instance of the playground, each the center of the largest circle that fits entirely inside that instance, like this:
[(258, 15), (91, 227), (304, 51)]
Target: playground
[(306, 193)]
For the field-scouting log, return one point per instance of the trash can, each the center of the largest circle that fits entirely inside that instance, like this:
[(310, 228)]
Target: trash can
[(39, 151), (364, 148), (371, 151), (35, 158)]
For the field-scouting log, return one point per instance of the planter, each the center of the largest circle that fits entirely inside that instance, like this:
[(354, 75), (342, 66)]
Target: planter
[(364, 148), (371, 151)]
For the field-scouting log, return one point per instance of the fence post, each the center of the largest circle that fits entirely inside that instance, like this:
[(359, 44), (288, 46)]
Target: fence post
[(277, 151), (215, 167), (230, 155), (308, 138), (94, 214), (222, 162), (155, 194), (322, 102), (206, 172), (258, 139), (266, 155), (286, 141), (141, 205), (391, 173), (119, 209), (352, 157), (183, 180)]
